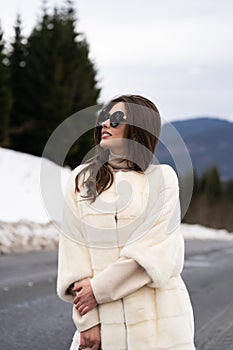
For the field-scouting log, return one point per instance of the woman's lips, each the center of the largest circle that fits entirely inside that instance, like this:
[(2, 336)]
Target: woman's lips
[(105, 135)]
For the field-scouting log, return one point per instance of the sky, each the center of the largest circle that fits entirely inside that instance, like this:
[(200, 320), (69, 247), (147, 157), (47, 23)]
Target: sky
[(178, 53)]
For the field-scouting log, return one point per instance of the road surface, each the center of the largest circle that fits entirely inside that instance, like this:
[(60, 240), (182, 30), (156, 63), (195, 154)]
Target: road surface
[(33, 318)]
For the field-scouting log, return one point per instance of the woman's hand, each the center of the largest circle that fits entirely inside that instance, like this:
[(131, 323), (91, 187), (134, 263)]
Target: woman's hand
[(90, 338), (85, 299)]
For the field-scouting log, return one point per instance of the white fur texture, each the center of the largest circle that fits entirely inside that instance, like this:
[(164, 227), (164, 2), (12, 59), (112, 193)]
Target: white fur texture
[(158, 316)]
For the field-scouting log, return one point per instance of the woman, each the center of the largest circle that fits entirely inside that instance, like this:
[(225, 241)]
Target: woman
[(121, 252)]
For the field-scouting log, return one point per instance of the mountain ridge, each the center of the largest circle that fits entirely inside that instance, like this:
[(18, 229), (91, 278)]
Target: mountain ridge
[(209, 142)]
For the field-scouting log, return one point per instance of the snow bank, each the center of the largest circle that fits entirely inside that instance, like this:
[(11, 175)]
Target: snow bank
[(24, 222), (25, 236), (202, 232), (20, 196)]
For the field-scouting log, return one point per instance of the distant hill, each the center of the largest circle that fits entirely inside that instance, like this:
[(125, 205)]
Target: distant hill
[(209, 141)]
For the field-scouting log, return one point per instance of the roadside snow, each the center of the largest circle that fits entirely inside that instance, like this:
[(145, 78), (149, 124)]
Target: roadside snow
[(20, 196), (202, 232), (24, 236), (24, 224)]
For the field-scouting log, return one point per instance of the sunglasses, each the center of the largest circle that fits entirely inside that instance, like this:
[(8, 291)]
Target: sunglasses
[(116, 118)]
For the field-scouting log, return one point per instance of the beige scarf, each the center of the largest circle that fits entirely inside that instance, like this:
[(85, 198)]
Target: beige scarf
[(118, 162)]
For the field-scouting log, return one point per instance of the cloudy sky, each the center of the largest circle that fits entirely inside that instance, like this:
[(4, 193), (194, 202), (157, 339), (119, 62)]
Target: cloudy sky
[(179, 53)]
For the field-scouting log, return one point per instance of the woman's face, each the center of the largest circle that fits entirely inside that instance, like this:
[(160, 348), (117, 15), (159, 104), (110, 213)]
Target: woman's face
[(112, 138)]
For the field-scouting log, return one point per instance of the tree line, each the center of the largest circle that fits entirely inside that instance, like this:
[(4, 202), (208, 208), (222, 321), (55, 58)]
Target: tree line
[(212, 200), (44, 78)]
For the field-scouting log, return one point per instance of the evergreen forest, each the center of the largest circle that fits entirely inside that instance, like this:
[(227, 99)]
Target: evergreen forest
[(45, 78)]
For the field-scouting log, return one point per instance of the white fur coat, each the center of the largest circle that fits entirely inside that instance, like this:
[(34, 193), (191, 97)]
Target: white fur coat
[(137, 217)]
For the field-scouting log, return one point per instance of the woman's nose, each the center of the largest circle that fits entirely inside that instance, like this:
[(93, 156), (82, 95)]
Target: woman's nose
[(106, 123)]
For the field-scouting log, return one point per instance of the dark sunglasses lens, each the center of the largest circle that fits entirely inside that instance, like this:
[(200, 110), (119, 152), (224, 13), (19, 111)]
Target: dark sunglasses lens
[(102, 118), (116, 118)]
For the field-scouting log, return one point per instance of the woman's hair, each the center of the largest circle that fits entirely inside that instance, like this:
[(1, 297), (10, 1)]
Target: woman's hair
[(143, 128)]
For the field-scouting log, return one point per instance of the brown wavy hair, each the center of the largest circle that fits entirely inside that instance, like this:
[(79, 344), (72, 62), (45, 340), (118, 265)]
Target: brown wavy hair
[(143, 127)]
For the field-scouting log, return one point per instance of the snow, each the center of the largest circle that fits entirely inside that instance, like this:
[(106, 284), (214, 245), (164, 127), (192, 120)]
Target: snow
[(24, 222), (202, 232), (24, 236), (20, 193)]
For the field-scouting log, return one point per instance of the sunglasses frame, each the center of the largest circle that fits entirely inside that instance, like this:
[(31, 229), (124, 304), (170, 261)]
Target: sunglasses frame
[(113, 123)]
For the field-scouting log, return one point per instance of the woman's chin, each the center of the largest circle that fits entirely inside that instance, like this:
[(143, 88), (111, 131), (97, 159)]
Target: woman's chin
[(104, 144), (113, 145)]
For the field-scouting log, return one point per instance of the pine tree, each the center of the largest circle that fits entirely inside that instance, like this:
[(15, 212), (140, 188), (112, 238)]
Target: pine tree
[(18, 121), (5, 94), (80, 79), (212, 184), (196, 184), (228, 193), (59, 80)]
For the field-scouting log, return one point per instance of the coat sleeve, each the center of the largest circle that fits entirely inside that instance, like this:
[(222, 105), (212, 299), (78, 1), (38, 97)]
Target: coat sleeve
[(159, 246), (73, 256), (86, 321), (119, 279)]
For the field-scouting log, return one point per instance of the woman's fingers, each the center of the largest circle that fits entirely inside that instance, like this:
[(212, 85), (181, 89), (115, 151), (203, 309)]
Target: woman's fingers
[(77, 288), (82, 343), (80, 299), (90, 338), (96, 346), (80, 308), (85, 300), (84, 310), (76, 299)]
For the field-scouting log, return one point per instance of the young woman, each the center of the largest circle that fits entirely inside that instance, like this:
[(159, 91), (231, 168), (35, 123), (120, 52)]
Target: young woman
[(121, 252)]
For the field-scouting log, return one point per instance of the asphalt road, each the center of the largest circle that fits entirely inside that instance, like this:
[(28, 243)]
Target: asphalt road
[(208, 274), (32, 316)]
